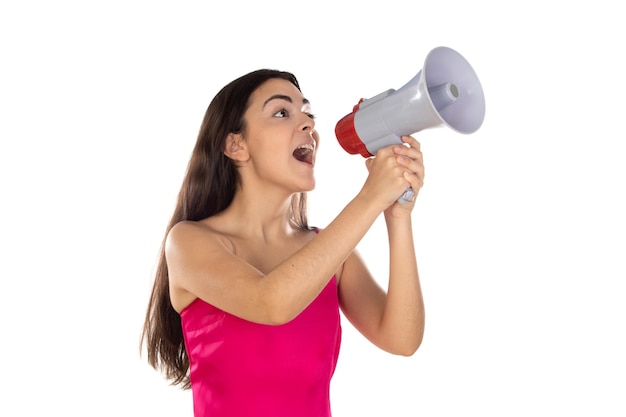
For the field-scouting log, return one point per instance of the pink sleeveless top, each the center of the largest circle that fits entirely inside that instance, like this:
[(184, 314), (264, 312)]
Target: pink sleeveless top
[(244, 369)]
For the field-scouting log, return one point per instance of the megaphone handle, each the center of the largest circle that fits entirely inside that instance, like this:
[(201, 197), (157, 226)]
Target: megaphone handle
[(407, 196)]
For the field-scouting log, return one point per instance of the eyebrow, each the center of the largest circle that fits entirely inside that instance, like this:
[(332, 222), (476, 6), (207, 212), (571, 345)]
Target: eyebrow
[(283, 97)]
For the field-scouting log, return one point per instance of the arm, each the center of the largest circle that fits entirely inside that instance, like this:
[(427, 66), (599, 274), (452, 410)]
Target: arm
[(393, 321), (202, 263)]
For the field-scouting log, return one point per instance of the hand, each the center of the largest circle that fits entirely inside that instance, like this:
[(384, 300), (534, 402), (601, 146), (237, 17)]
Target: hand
[(394, 169), (410, 156)]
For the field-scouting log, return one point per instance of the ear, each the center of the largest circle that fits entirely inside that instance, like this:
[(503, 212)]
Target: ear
[(235, 147)]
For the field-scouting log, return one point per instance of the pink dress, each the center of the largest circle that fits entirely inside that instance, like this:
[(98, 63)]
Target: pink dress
[(244, 369)]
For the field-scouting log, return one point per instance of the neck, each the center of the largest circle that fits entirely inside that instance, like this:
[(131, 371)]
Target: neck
[(259, 216)]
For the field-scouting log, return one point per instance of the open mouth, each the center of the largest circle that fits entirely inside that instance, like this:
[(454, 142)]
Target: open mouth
[(304, 153)]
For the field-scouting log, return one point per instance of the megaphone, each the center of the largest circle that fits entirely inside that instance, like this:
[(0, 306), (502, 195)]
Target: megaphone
[(445, 92)]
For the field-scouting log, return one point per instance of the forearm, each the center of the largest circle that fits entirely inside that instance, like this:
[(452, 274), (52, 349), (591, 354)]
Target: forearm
[(291, 286), (403, 316)]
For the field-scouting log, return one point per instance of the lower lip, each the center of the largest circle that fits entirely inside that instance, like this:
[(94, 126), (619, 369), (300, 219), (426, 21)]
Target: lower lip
[(305, 163)]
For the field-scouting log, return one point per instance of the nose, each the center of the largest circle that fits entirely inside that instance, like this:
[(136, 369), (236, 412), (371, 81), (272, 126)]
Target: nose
[(308, 124)]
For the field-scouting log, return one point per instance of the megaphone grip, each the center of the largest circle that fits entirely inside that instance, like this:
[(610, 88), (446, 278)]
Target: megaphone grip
[(407, 196)]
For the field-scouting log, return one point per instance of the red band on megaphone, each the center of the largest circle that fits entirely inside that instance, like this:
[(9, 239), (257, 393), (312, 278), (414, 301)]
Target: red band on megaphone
[(347, 136)]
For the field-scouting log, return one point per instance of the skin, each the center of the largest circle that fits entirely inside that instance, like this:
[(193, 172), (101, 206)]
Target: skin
[(248, 260)]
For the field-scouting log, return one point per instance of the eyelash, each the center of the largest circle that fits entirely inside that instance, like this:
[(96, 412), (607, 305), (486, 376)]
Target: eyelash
[(286, 114)]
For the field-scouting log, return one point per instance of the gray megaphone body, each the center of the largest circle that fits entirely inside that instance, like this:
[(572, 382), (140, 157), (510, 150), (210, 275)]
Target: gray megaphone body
[(445, 92)]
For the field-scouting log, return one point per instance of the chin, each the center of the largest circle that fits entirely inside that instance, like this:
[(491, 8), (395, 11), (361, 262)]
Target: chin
[(308, 188)]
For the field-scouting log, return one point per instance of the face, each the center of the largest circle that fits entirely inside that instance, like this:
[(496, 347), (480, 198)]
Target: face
[(280, 136)]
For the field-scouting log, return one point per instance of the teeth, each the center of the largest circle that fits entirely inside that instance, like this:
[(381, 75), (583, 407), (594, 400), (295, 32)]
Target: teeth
[(307, 146)]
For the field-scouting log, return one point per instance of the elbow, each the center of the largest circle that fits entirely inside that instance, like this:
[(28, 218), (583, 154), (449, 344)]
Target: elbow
[(277, 314), (402, 341), (408, 346), (273, 309), (407, 349), (413, 341)]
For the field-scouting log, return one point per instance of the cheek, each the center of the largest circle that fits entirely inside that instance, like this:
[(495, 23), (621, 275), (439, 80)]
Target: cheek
[(270, 153)]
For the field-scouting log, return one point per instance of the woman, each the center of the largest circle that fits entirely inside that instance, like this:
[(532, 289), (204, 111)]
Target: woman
[(245, 304)]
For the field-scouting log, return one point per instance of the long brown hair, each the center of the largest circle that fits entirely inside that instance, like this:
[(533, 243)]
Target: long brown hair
[(208, 187)]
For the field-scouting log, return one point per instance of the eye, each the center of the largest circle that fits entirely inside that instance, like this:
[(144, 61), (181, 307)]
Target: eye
[(311, 116), (281, 113)]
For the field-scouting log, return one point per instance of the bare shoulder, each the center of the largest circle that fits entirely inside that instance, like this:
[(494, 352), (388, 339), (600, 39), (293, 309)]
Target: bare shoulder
[(187, 228), (191, 236), (192, 251)]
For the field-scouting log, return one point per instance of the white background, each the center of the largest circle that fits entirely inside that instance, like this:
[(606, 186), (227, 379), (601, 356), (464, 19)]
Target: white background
[(520, 227)]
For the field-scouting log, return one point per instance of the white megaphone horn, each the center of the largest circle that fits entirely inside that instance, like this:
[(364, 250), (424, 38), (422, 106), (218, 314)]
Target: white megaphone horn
[(446, 91)]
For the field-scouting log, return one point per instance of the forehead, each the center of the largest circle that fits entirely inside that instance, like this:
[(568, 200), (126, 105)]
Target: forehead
[(276, 88)]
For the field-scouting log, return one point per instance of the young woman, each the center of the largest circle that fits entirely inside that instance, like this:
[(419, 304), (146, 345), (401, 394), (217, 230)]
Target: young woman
[(246, 299)]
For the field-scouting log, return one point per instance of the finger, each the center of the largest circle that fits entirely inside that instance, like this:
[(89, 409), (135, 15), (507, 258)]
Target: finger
[(411, 152), (415, 180), (412, 142), (414, 165)]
